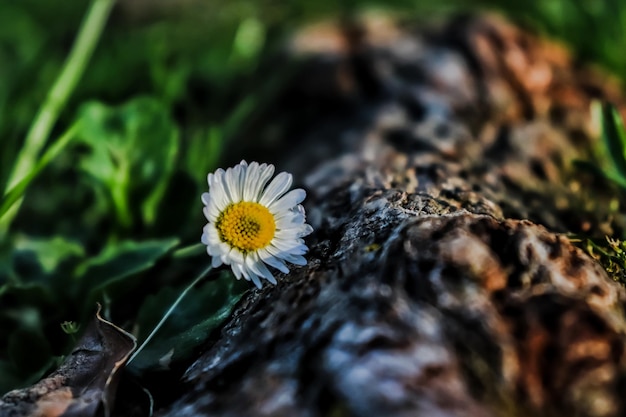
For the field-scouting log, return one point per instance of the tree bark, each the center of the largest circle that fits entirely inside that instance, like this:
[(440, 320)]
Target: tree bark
[(440, 282)]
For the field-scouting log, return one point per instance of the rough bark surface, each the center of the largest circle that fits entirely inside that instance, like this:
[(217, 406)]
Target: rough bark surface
[(440, 282)]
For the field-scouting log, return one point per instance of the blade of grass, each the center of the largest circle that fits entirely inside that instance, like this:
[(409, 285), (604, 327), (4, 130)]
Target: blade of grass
[(16, 193), (75, 64), (614, 137)]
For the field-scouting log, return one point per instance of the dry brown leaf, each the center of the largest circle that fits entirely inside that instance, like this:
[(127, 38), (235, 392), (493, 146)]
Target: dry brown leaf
[(85, 380)]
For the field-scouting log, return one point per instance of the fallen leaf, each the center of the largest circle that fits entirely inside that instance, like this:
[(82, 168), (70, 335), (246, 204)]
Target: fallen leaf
[(86, 380)]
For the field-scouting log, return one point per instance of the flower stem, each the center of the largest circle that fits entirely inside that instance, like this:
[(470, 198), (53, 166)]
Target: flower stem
[(86, 40), (168, 313)]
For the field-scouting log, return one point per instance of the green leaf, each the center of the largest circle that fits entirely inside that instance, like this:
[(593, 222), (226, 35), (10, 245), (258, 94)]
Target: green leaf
[(204, 149), (26, 294), (597, 171), (249, 38), (132, 153), (614, 139), (120, 261), (203, 309), (50, 252)]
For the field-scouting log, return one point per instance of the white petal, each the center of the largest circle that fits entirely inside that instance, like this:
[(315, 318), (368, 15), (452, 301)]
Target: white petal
[(282, 249), (273, 261), (224, 249), (293, 258), (213, 236), (211, 212), (236, 256), (251, 178), (276, 188), (226, 256), (210, 235), (234, 183), (216, 261), (296, 259), (283, 222), (288, 218), (207, 214), (306, 230), (217, 190), (284, 245), (294, 231), (216, 178), (258, 267), (256, 280), (213, 251), (277, 253), (289, 200), (255, 185), (245, 271), (230, 186), (256, 178), (299, 250), (270, 277), (237, 270)]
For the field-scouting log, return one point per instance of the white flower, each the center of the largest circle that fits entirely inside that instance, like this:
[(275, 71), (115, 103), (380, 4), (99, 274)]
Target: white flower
[(251, 224)]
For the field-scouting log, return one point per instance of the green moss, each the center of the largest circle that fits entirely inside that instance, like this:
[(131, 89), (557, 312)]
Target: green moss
[(611, 254)]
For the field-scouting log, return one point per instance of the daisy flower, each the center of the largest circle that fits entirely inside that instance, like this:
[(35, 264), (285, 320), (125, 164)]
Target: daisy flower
[(251, 225)]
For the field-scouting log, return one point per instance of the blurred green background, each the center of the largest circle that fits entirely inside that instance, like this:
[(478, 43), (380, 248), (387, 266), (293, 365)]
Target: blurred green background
[(169, 85)]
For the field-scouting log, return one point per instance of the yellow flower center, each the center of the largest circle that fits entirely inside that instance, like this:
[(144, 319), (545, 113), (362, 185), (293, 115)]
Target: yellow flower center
[(246, 226)]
